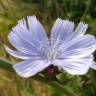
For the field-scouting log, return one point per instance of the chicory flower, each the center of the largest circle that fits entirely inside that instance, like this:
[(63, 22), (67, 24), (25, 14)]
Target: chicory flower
[(68, 48)]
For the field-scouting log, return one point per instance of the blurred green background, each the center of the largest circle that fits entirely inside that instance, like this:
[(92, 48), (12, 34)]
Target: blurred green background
[(46, 11)]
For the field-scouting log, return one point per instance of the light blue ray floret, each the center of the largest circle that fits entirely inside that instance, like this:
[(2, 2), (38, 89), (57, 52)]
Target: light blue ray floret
[(68, 48)]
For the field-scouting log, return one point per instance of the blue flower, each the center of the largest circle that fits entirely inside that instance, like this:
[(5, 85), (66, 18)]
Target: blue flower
[(68, 47)]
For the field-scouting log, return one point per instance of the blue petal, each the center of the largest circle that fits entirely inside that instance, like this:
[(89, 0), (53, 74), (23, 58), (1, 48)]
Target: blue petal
[(75, 66), (21, 39), (61, 30), (94, 66), (79, 31), (37, 30), (20, 55), (79, 47), (24, 40), (30, 68)]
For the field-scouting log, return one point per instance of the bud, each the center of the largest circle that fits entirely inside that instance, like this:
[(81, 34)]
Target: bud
[(51, 72)]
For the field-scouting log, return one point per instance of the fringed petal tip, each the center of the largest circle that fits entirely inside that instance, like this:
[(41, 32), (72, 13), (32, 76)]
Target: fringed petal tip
[(94, 66)]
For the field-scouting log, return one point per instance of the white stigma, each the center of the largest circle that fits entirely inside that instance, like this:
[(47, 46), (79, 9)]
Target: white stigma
[(48, 51), (51, 55)]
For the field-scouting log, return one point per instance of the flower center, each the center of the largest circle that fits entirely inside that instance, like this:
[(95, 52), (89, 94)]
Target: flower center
[(48, 51), (51, 55)]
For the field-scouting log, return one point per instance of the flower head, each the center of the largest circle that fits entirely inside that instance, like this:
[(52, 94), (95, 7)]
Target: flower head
[(67, 48)]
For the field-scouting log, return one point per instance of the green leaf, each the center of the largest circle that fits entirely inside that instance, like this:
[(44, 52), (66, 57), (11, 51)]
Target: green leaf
[(65, 90), (4, 64)]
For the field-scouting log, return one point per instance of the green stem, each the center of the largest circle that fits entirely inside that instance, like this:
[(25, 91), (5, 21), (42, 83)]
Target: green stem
[(56, 85), (86, 10)]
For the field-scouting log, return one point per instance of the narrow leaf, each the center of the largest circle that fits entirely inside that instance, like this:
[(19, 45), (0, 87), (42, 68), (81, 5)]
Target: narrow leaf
[(4, 64)]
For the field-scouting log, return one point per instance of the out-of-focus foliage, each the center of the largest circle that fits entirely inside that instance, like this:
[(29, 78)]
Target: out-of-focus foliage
[(46, 11)]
